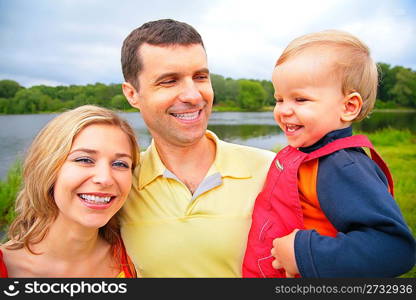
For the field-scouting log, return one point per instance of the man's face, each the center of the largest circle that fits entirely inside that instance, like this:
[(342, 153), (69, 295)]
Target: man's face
[(175, 95)]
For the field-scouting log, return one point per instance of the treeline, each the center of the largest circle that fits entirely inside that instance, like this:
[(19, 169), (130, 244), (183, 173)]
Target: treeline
[(397, 88)]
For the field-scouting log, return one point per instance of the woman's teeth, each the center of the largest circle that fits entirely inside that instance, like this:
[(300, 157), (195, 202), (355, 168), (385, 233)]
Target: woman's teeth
[(187, 116), (95, 199)]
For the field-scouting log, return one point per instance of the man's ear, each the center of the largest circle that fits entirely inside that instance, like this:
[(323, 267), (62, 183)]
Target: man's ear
[(352, 105), (131, 94)]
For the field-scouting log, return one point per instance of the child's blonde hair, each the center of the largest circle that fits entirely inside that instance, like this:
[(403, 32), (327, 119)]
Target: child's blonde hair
[(354, 64)]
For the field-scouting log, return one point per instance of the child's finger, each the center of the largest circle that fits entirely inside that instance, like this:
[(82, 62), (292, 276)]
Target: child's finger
[(289, 275), (276, 264), (273, 252)]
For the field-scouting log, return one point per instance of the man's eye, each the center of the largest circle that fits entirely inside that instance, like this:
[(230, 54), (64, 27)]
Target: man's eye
[(201, 77), (167, 82), (121, 164)]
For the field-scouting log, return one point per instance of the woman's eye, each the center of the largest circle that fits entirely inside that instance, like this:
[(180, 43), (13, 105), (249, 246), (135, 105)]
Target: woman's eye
[(121, 164), (84, 160)]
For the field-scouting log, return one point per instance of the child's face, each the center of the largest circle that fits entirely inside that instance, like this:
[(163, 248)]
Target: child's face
[(309, 98)]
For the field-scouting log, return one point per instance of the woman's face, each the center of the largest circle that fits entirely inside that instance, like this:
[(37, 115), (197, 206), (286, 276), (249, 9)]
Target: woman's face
[(95, 179)]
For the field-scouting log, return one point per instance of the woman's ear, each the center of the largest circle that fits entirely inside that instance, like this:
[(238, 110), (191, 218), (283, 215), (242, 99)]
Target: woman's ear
[(351, 107), (131, 94)]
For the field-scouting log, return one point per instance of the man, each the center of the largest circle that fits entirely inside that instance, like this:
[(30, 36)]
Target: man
[(189, 211)]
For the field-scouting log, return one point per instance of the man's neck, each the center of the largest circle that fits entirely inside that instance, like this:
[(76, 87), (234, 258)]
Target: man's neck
[(189, 163)]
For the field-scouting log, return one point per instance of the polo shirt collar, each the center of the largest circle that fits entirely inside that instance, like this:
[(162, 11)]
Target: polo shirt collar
[(229, 162), (151, 167)]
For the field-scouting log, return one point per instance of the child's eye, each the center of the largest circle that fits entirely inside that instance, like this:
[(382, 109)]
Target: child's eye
[(121, 164), (301, 99), (279, 100), (84, 160)]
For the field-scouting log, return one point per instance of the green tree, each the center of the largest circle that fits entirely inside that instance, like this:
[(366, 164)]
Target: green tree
[(269, 89), (119, 102), (9, 88), (232, 89), (30, 100), (387, 79), (219, 86), (4, 106), (251, 95), (404, 89)]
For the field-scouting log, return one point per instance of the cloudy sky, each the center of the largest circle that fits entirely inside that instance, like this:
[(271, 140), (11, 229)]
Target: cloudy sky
[(62, 42)]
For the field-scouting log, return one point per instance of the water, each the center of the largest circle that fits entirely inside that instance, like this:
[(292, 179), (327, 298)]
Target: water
[(256, 129)]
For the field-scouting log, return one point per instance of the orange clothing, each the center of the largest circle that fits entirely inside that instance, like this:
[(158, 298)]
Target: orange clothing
[(313, 216)]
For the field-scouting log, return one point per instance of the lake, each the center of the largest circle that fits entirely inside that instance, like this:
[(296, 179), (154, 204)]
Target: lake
[(256, 129)]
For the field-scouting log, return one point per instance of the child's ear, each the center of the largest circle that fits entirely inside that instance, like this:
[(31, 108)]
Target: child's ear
[(351, 107), (131, 94)]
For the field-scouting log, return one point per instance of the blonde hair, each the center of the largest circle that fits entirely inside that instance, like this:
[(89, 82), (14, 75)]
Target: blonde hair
[(354, 64), (35, 206)]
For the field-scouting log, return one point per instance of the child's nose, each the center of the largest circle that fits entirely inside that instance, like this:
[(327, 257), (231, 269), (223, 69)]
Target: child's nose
[(284, 108)]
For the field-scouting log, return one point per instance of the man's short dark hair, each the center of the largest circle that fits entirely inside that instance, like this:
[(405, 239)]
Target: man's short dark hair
[(165, 32)]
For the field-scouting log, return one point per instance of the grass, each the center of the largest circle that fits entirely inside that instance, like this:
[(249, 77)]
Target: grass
[(8, 191), (397, 147)]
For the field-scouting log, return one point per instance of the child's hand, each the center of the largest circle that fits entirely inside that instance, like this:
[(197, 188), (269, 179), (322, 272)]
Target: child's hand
[(284, 253)]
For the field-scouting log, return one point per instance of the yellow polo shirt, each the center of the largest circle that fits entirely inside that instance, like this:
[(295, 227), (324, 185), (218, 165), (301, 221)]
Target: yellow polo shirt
[(168, 232)]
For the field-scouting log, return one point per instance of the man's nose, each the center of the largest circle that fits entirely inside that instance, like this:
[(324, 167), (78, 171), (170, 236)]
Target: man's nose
[(190, 93)]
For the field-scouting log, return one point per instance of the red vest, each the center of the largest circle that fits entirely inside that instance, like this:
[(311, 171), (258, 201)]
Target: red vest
[(277, 210), (3, 269)]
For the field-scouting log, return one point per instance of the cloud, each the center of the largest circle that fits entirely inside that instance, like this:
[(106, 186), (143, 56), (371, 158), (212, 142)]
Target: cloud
[(79, 41)]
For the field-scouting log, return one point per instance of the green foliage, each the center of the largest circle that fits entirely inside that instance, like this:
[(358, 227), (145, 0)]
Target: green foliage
[(119, 102), (219, 87), (8, 192), (397, 88), (404, 89), (8, 88), (391, 137), (398, 149), (251, 95)]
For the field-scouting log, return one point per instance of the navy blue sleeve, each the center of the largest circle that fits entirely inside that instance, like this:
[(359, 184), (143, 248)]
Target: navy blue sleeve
[(373, 239)]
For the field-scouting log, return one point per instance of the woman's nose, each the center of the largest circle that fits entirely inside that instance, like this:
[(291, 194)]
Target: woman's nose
[(103, 176)]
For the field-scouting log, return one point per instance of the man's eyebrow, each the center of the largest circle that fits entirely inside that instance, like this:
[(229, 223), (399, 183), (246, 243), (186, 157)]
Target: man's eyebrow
[(176, 74), (203, 70)]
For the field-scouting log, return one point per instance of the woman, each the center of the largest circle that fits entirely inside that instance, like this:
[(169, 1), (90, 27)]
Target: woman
[(77, 175)]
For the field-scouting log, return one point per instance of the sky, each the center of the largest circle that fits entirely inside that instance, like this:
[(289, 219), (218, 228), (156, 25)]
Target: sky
[(64, 42)]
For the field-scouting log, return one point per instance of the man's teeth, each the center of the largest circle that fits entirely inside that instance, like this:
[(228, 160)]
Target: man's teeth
[(187, 116), (96, 199)]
